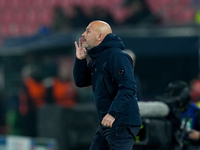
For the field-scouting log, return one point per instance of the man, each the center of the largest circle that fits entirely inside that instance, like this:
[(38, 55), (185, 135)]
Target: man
[(110, 72)]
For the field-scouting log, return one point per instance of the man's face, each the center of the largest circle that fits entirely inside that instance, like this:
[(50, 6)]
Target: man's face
[(89, 37)]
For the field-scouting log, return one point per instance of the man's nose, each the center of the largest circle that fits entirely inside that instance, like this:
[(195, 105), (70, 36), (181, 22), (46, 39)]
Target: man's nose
[(83, 34)]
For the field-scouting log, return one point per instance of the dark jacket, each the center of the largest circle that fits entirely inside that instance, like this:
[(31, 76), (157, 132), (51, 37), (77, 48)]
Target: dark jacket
[(192, 114), (110, 71)]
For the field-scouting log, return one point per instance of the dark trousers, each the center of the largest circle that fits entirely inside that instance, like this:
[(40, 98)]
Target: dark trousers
[(116, 138)]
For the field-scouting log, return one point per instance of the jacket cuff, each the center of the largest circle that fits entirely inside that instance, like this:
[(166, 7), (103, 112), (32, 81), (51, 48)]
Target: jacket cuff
[(80, 59), (114, 114)]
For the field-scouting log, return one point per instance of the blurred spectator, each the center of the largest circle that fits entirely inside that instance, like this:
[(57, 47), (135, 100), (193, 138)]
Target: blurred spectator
[(60, 20), (138, 13), (184, 114), (133, 56), (173, 12), (60, 89), (44, 30), (195, 90), (31, 97), (101, 13), (78, 19), (12, 114)]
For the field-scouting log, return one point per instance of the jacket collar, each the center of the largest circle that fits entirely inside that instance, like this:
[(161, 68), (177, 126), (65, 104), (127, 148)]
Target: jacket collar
[(110, 41)]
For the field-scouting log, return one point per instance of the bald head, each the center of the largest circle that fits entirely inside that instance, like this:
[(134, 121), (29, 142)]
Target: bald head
[(101, 27), (95, 33)]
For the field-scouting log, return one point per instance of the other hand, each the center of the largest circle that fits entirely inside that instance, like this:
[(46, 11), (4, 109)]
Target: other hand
[(194, 135), (108, 121)]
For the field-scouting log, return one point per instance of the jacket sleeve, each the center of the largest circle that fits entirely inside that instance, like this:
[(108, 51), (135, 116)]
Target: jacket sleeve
[(81, 73), (121, 68)]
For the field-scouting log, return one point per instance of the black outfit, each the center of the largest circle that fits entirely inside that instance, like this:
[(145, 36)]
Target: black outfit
[(110, 71)]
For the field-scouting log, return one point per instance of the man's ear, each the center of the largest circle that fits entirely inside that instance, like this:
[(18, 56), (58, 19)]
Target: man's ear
[(100, 37)]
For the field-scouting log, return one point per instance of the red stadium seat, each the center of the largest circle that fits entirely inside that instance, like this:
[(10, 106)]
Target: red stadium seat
[(7, 16), (11, 29), (45, 17), (64, 3), (3, 4), (14, 4), (30, 16), (18, 16)]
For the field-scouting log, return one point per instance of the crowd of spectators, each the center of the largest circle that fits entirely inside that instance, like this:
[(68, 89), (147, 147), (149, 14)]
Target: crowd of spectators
[(131, 13), (28, 19)]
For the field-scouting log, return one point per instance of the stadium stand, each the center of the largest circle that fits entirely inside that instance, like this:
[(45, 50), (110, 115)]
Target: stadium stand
[(26, 17), (178, 12), (33, 14)]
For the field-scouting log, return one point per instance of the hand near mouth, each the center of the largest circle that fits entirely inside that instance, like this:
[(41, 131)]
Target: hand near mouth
[(81, 52)]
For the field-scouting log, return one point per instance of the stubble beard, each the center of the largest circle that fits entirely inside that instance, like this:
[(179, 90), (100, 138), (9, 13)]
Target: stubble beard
[(85, 45)]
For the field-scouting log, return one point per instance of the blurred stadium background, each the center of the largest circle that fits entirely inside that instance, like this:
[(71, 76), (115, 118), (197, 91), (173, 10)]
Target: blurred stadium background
[(37, 41)]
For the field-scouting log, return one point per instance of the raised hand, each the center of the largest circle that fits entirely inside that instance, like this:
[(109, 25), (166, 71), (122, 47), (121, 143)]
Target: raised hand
[(81, 52)]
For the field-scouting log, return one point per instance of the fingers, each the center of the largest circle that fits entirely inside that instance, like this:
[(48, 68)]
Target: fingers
[(107, 124), (81, 52), (108, 121), (80, 42), (76, 45)]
